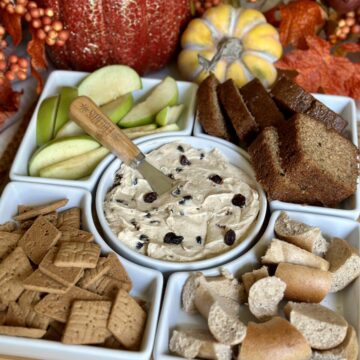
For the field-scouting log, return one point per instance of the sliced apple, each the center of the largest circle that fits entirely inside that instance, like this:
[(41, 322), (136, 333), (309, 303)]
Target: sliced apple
[(67, 95), (143, 113), (76, 167), (136, 134), (110, 82), (140, 128), (118, 108), (70, 128), (59, 150), (45, 122), (169, 115)]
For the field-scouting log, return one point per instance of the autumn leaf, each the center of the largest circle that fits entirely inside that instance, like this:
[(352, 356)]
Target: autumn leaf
[(12, 25), (319, 70), (297, 20), (36, 50), (9, 100)]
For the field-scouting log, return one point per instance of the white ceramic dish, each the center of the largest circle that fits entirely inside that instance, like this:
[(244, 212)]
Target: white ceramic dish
[(342, 105), (147, 283), (106, 182), (59, 78), (345, 302)]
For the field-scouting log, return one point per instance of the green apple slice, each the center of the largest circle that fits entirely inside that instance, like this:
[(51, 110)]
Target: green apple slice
[(143, 113), (136, 134), (69, 129), (67, 95), (110, 82), (59, 150), (140, 128), (45, 122), (169, 115), (76, 167), (118, 108)]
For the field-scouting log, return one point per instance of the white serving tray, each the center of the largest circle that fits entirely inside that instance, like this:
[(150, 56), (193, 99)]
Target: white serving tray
[(60, 78), (147, 283), (343, 106), (232, 156), (346, 302)]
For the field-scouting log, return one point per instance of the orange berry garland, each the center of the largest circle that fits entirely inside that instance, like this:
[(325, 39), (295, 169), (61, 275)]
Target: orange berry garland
[(347, 25)]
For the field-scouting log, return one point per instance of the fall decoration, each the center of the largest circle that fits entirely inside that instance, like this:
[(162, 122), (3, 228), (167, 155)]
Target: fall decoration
[(141, 34), (344, 6), (44, 28), (347, 25), (297, 20), (320, 71), (232, 43), (200, 6)]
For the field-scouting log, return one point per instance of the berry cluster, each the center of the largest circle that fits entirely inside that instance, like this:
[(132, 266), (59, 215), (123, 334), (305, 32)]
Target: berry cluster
[(202, 5), (348, 25)]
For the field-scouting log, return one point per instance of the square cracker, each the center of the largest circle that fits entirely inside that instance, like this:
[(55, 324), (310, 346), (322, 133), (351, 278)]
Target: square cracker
[(8, 242), (40, 237), (38, 281), (58, 306), (87, 322), (67, 276), (15, 315), (70, 217), (51, 217), (13, 269), (93, 275), (77, 254), (117, 271), (106, 286), (127, 321), (68, 233), (22, 331), (8, 226), (40, 210)]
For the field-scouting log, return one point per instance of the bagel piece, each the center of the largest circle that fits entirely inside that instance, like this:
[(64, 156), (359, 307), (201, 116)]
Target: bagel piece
[(344, 263), (323, 328), (280, 251), (304, 283), (302, 235), (250, 277), (274, 339), (198, 343), (265, 296), (222, 315)]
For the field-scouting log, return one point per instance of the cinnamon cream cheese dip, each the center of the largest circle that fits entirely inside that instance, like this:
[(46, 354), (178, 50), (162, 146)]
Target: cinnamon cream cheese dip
[(209, 211)]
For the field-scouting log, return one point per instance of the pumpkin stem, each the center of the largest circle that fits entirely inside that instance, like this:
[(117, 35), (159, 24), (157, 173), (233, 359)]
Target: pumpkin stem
[(229, 49)]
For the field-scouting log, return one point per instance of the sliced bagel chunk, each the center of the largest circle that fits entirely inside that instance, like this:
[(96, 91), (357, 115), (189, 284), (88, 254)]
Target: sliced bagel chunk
[(274, 339), (265, 296), (323, 328)]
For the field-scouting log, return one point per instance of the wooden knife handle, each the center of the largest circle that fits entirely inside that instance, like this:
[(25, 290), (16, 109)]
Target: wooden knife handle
[(93, 121)]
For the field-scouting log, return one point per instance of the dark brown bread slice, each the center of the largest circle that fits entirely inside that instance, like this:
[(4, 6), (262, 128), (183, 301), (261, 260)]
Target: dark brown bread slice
[(261, 105), (321, 112), (292, 98), (208, 109), (265, 158), (320, 159), (238, 114)]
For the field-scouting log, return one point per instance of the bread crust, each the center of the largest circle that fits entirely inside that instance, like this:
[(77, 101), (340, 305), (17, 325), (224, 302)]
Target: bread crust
[(304, 283), (274, 339)]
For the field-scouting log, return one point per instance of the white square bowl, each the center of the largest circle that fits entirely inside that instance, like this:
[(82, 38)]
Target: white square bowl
[(343, 106), (147, 283), (345, 302), (60, 78)]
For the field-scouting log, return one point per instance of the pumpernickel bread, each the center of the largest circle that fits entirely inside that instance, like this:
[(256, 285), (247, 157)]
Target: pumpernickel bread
[(292, 98), (238, 114), (208, 109), (274, 339)]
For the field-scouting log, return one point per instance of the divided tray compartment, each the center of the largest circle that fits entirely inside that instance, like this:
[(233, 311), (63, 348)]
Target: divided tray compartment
[(60, 78), (349, 208), (147, 283), (344, 302), (167, 267)]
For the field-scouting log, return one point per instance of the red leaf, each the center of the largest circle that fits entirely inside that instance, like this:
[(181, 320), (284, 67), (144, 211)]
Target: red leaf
[(300, 19), (319, 70), (36, 49), (9, 100), (12, 24)]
